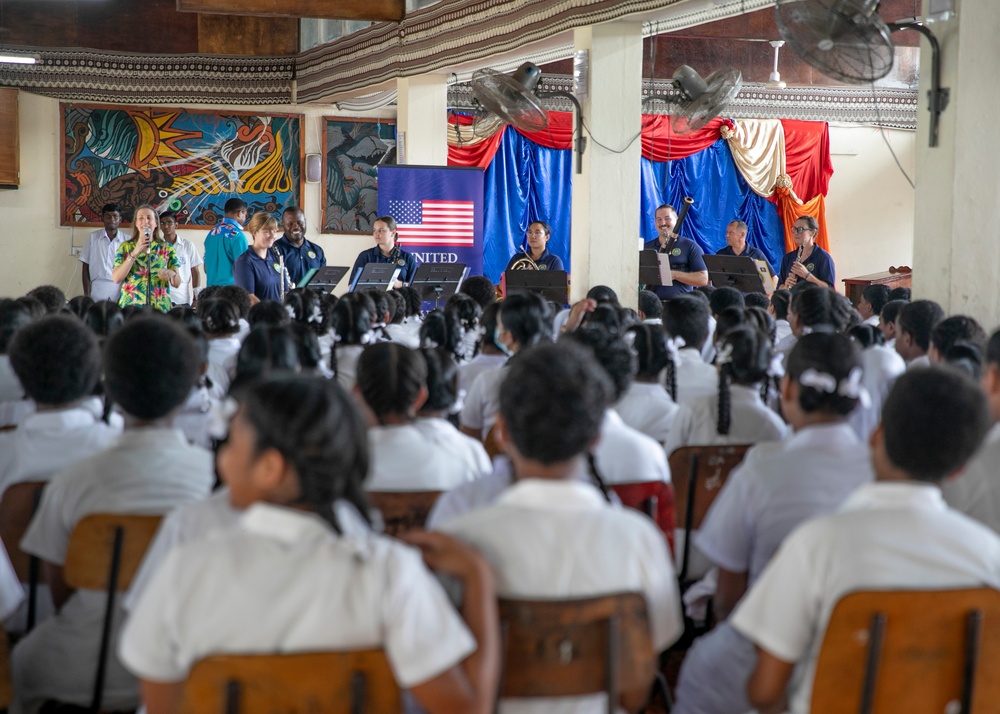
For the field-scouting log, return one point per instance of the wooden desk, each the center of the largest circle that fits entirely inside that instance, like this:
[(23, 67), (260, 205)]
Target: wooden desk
[(891, 279)]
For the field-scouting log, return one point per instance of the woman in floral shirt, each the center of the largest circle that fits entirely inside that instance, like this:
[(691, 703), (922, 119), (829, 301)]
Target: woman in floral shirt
[(133, 261)]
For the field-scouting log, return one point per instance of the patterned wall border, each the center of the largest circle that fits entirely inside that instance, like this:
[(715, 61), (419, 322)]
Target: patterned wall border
[(93, 76)]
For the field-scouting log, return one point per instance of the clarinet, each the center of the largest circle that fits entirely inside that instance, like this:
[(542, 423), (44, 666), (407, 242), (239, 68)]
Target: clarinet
[(285, 277)]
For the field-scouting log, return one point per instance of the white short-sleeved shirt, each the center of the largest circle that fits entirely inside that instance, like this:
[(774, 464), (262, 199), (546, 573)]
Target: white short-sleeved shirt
[(880, 367), (404, 335), (873, 321), (887, 535), (648, 408), (222, 355), (695, 377), (188, 257), (305, 588), (198, 415), (562, 539), (10, 386), (782, 331), (751, 421), (428, 455), (347, 365), (918, 362), (626, 455), (976, 490), (468, 372), (482, 403), (14, 412), (99, 254)]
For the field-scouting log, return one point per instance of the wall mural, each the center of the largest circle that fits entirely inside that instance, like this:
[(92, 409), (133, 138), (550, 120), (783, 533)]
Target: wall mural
[(353, 149), (191, 162)]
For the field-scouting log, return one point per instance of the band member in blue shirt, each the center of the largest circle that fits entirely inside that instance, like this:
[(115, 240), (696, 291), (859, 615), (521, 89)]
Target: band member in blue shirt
[(537, 255), (386, 251), (736, 244), (687, 266), (301, 255), (808, 263)]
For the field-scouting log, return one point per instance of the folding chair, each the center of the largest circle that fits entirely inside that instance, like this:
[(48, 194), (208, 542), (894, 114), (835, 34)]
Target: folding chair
[(564, 648), (654, 498), (104, 552), (17, 507), (403, 511), (910, 651), (308, 683)]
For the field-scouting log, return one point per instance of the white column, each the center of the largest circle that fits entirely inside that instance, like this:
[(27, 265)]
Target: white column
[(606, 194), (956, 251), (422, 119)]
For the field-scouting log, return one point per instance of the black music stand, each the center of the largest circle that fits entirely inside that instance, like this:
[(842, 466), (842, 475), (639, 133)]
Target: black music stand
[(553, 285), (654, 269), (741, 272), (326, 278), (377, 276), (436, 281)]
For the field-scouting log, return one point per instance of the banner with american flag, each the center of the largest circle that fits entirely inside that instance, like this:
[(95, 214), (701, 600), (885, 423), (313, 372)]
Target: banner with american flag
[(438, 212)]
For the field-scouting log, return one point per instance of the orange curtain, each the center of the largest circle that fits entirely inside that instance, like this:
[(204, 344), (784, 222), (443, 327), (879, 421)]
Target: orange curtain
[(790, 211)]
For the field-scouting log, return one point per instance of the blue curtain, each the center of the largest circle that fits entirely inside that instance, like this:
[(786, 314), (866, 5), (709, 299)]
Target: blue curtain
[(524, 183), (720, 195)]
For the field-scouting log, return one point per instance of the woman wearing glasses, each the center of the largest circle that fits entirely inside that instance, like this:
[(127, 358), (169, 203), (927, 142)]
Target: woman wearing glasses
[(536, 255), (386, 251), (808, 263)]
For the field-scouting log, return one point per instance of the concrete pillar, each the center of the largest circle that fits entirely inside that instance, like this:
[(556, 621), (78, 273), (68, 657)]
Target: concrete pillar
[(422, 119), (956, 251), (606, 193)]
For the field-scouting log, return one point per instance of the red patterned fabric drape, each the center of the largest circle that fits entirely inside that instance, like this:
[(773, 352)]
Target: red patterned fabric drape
[(807, 157), (661, 143)]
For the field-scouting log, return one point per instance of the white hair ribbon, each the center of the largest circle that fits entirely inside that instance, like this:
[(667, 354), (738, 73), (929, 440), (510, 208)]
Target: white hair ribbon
[(852, 388), (368, 337), (335, 336), (316, 315), (674, 345), (629, 338), (820, 381), (221, 414), (724, 355), (291, 312), (777, 366)]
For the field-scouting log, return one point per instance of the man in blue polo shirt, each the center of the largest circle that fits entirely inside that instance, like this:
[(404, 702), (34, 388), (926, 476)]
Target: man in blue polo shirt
[(225, 243), (687, 266), (736, 244), (301, 255)]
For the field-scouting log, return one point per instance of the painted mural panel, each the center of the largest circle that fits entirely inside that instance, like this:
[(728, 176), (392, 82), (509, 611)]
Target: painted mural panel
[(352, 152)]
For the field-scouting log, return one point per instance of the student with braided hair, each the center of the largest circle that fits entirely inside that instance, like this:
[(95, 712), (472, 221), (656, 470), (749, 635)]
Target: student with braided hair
[(351, 326), (685, 320), (220, 320), (646, 405)]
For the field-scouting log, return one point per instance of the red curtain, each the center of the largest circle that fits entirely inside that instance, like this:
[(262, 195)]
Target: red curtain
[(807, 157), (661, 143)]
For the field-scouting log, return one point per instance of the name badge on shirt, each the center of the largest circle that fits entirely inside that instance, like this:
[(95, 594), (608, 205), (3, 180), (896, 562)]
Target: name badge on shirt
[(810, 266), (311, 254), (277, 268), (675, 252), (401, 262)]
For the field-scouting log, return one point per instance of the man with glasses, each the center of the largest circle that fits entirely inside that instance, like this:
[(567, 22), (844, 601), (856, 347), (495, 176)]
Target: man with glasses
[(808, 263)]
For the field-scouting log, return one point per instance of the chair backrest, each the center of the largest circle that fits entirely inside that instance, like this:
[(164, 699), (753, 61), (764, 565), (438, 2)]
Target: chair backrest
[(403, 510), (910, 651), (91, 547), (492, 443), (561, 648), (328, 682), (6, 687), (654, 498), (17, 506)]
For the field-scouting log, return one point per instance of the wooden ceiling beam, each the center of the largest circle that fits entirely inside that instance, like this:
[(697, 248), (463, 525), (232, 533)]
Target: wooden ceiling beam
[(374, 10)]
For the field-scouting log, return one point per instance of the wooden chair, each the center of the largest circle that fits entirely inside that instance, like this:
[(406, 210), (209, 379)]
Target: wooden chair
[(307, 683), (654, 498), (403, 511), (911, 651), (104, 552), (699, 473), (563, 648), (17, 507), (6, 687)]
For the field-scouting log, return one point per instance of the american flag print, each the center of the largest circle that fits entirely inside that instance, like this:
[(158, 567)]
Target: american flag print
[(434, 222)]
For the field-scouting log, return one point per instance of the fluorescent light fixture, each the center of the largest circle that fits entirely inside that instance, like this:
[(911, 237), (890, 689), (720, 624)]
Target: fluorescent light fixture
[(19, 59)]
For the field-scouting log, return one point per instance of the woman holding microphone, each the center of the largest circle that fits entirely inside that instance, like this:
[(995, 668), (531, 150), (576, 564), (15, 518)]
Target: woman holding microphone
[(146, 266)]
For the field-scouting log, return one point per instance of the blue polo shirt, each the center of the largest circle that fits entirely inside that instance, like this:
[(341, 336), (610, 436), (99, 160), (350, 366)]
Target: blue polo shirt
[(400, 257), (819, 263), (223, 245), (299, 261), (686, 256), (748, 252), (548, 261), (258, 276)]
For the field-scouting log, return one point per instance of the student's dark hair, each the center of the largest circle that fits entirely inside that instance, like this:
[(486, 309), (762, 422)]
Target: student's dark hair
[(919, 318), (650, 305), (745, 358), (729, 319), (79, 305), (13, 316), (686, 317), (467, 310), (219, 317), (877, 296), (307, 346), (650, 349), (34, 306), (237, 296), (104, 318), (612, 354), (186, 316), (756, 300), (780, 300), (900, 293), (890, 311), (605, 316), (168, 214), (351, 320), (933, 421), (150, 366), (413, 302), (234, 205), (724, 297), (526, 317), (824, 354), (967, 357), (268, 312), (131, 312), (266, 350), (307, 308), (50, 296), (480, 289), (553, 399), (442, 380), (209, 292), (957, 328), (110, 208), (865, 335), (57, 359), (821, 309), (390, 377), (602, 293), (992, 352), (381, 302), (489, 325), (441, 328), (760, 318), (318, 429), (395, 303)]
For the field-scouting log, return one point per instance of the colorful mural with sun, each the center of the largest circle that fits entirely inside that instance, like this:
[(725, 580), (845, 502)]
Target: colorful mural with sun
[(189, 162)]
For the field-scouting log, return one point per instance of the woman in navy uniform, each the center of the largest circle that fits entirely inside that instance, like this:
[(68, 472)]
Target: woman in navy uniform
[(537, 255), (386, 251), (808, 263)]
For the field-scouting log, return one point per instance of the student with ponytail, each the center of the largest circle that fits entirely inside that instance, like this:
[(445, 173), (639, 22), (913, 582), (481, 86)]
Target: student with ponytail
[(351, 327), (646, 404)]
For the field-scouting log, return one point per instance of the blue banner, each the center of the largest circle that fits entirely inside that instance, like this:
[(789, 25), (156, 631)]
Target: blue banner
[(438, 211)]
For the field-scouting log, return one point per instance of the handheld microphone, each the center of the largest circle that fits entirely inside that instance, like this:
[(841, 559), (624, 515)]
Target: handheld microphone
[(148, 232)]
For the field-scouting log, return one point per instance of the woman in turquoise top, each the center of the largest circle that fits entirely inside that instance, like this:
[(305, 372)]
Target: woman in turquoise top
[(133, 263)]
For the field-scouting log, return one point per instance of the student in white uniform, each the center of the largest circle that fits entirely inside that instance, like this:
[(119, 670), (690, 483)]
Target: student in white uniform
[(873, 299), (880, 367), (351, 325), (816, 309), (301, 562), (150, 366), (738, 413), (783, 337), (954, 330), (688, 376), (220, 321), (13, 316), (646, 405), (551, 534), (490, 355), (778, 486), (98, 256), (894, 534), (887, 321), (913, 331)]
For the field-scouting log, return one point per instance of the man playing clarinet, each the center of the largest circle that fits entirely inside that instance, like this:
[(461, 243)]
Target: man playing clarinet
[(687, 266)]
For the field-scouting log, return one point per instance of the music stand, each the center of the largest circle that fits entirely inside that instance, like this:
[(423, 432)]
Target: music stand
[(553, 285), (739, 271), (437, 282), (326, 278), (379, 276), (654, 269)]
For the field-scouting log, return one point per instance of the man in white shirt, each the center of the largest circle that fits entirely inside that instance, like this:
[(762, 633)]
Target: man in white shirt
[(686, 318), (896, 533), (98, 256), (873, 299), (189, 259)]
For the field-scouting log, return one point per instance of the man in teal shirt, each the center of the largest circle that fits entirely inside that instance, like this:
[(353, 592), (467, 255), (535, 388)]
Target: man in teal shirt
[(225, 243)]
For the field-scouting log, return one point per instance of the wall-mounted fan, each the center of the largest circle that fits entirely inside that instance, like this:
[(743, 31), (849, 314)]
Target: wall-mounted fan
[(515, 100), (847, 41), (698, 100)]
